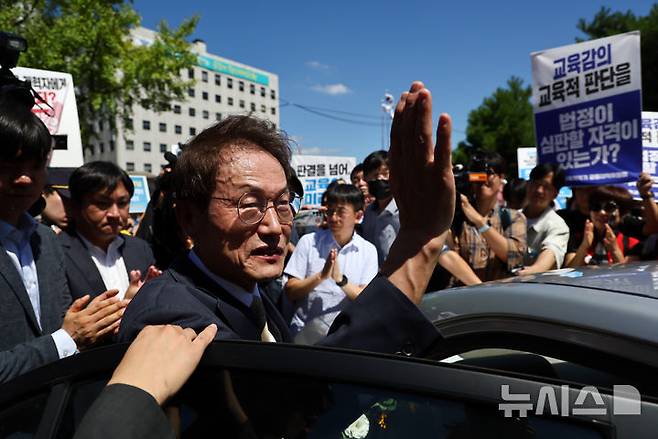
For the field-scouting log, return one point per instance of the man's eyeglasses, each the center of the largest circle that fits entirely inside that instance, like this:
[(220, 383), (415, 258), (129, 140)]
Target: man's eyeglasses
[(252, 206), (608, 207)]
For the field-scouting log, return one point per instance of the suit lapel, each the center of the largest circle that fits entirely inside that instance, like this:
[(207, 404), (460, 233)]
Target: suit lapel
[(230, 310), (15, 282), (130, 257), (80, 258)]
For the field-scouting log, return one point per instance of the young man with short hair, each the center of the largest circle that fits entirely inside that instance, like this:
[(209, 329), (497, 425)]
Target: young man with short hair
[(548, 234), (98, 257), (330, 267)]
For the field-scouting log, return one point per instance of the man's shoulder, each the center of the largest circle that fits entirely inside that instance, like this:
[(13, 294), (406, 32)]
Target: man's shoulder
[(551, 219), (135, 242), (363, 243)]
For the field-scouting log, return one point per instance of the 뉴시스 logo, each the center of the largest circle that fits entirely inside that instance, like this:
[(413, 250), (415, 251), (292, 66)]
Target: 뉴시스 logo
[(626, 400)]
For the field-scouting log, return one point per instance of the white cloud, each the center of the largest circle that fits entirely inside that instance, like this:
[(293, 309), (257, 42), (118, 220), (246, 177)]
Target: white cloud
[(332, 89), (316, 65)]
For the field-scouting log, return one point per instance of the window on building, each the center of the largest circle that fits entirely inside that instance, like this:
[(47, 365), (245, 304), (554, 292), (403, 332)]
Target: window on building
[(205, 114), (111, 145), (252, 89), (192, 131), (218, 79), (262, 92), (190, 73), (218, 116), (218, 99), (148, 167), (229, 82), (101, 148), (263, 109), (178, 129), (176, 109), (146, 124), (192, 112), (241, 85), (100, 125), (130, 166), (204, 95), (130, 145), (252, 106), (274, 125), (163, 127), (273, 111), (230, 101), (163, 147), (204, 76), (129, 123), (241, 103), (147, 146), (190, 92), (273, 94)]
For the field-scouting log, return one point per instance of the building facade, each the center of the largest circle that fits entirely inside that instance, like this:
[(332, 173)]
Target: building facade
[(221, 88)]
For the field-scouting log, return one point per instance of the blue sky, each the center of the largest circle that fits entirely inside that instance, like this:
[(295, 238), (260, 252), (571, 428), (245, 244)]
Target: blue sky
[(344, 55)]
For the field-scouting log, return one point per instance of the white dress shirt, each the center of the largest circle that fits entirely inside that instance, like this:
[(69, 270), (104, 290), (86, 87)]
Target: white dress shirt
[(110, 265), (16, 242)]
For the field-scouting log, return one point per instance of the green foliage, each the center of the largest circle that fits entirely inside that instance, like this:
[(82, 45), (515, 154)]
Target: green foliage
[(90, 39), (502, 123), (606, 23)]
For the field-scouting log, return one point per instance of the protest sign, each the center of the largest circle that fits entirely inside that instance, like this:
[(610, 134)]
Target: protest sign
[(56, 88), (317, 171), (587, 101), (649, 150), (141, 196), (527, 159)]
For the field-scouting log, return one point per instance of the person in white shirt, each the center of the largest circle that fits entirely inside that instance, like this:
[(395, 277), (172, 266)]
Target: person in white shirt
[(98, 256), (330, 267), (548, 234)]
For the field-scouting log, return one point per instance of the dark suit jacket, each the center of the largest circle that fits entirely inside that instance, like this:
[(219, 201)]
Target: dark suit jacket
[(23, 345), (381, 319), (81, 272), (126, 412)]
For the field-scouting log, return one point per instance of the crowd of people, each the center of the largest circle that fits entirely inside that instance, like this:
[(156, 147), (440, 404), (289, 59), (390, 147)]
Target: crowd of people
[(217, 247)]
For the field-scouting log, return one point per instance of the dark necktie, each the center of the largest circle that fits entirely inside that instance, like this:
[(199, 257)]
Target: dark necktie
[(258, 313)]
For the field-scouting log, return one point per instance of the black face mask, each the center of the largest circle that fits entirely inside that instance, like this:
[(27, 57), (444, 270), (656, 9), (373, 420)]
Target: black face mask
[(380, 189)]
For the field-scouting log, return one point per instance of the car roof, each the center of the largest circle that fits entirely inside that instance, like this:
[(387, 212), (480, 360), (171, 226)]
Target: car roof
[(621, 300)]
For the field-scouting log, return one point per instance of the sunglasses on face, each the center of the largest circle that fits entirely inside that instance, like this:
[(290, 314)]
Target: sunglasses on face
[(608, 207)]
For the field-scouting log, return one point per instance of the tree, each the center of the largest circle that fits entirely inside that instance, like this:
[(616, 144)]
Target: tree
[(606, 23), (502, 123), (90, 39)]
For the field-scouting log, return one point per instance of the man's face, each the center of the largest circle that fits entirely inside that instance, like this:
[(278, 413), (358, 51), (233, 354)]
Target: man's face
[(381, 173), (21, 183), (241, 253), (341, 218), (360, 182), (541, 193), (101, 215)]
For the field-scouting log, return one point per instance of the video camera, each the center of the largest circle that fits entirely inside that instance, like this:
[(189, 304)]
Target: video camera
[(478, 172), (11, 47)]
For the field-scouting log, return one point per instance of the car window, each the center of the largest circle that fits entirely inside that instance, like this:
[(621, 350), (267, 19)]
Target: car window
[(241, 403), (81, 397), (21, 419)]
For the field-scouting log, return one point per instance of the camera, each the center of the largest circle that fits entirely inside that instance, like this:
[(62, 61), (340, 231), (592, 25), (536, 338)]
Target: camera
[(478, 171), (11, 47)]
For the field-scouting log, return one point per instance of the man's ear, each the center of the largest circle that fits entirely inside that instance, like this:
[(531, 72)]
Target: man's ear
[(359, 215)]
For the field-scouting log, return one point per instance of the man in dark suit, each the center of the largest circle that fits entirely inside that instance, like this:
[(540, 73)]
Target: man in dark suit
[(38, 323), (233, 199), (97, 256)]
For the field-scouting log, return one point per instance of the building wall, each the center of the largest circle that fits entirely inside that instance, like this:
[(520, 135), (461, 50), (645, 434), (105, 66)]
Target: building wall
[(222, 87)]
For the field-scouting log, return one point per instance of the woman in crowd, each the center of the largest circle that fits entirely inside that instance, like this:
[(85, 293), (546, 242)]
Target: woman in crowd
[(603, 242)]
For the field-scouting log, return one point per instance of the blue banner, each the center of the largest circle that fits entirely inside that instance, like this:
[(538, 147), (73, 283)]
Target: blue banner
[(597, 142)]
